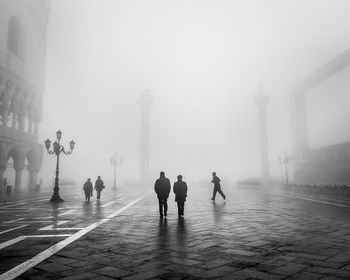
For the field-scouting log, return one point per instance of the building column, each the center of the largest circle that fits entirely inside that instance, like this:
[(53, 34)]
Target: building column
[(36, 130), (21, 121), (19, 166), (145, 101), (33, 179), (2, 171), (261, 101)]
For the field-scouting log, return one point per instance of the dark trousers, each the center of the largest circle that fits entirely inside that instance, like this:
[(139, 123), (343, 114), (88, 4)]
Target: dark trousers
[(98, 194), (87, 196), (163, 202), (218, 189), (180, 207)]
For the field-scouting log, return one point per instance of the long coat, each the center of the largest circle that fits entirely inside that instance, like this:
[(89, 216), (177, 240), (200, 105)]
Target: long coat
[(162, 188), (180, 190), (88, 187), (99, 186)]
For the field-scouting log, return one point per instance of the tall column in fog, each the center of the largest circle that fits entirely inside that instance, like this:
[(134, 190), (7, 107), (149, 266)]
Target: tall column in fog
[(145, 100), (261, 100)]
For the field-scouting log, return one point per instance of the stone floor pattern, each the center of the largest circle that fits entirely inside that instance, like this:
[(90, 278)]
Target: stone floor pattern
[(254, 234)]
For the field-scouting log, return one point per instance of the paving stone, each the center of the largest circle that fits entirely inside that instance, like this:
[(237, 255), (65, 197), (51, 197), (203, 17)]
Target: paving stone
[(253, 235), (112, 272), (289, 269)]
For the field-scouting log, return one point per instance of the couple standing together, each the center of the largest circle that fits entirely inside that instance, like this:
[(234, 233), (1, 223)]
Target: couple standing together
[(162, 188)]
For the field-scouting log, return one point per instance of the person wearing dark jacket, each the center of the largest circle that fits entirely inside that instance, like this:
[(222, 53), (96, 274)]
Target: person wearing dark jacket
[(99, 186), (88, 189), (162, 188), (180, 191), (217, 187)]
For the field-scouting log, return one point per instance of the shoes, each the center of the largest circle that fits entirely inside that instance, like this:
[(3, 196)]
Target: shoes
[(161, 216), (224, 197), (213, 199), (165, 214)]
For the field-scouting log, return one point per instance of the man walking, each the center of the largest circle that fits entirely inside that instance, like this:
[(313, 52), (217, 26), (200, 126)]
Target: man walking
[(88, 189), (99, 186), (217, 187), (162, 188), (180, 190)]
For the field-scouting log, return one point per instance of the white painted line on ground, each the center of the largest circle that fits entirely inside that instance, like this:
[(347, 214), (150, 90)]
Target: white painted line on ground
[(15, 203), (52, 227), (12, 241), (58, 229), (109, 203), (16, 220), (319, 201), (23, 267), (23, 237), (11, 229), (66, 213), (9, 206)]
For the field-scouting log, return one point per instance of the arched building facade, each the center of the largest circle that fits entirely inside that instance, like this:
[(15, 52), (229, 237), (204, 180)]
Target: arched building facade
[(23, 25)]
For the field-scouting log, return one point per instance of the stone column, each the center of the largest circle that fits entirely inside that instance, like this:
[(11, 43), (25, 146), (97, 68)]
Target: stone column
[(21, 116), (2, 171), (19, 166), (33, 178), (261, 101), (145, 101), (36, 130)]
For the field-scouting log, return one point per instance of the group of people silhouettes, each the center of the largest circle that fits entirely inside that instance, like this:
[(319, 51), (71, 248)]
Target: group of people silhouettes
[(162, 188), (88, 188)]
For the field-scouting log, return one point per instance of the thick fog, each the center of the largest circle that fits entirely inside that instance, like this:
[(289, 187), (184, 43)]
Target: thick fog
[(203, 61)]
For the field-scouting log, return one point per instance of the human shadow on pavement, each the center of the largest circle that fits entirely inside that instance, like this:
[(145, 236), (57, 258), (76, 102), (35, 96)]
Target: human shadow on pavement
[(99, 211), (87, 209), (163, 235), (219, 209), (181, 234)]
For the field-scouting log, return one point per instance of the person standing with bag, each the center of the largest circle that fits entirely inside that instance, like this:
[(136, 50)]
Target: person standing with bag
[(99, 186)]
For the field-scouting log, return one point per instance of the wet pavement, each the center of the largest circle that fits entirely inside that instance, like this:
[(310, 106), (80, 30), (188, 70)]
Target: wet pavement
[(257, 233)]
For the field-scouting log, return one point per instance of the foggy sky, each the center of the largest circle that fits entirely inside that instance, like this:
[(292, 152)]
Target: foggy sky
[(202, 60)]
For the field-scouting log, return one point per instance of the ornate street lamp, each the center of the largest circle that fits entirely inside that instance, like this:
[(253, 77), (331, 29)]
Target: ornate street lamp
[(57, 150), (285, 159), (114, 163)]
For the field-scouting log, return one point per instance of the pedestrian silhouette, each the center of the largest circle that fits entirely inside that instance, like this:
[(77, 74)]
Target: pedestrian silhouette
[(99, 186), (162, 188), (180, 190), (88, 189), (217, 187)]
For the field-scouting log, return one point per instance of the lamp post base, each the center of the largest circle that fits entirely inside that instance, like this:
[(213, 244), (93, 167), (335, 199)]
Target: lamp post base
[(56, 198)]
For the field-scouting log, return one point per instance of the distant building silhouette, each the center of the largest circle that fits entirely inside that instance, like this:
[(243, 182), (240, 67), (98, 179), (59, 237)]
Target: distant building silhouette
[(324, 164), (22, 71)]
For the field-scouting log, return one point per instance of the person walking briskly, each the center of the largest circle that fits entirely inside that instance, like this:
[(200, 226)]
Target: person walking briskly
[(180, 191), (88, 189), (99, 186), (217, 187), (162, 188)]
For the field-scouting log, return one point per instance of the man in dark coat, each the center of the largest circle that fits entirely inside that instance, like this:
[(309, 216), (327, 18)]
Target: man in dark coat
[(88, 189), (162, 188), (99, 186), (217, 187), (180, 190)]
